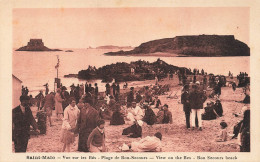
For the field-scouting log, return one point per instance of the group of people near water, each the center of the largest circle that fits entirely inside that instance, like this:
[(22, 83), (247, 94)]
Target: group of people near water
[(84, 110)]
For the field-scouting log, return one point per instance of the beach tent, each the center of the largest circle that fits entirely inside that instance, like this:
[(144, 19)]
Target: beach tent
[(17, 90)]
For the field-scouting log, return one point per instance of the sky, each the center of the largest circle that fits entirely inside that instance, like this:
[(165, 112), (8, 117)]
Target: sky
[(84, 27)]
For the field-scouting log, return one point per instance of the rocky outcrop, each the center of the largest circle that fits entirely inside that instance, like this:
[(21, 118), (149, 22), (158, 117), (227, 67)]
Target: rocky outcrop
[(198, 45), (121, 71), (36, 45)]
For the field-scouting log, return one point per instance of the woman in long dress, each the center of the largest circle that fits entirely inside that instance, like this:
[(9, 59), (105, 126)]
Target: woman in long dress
[(71, 115), (58, 104)]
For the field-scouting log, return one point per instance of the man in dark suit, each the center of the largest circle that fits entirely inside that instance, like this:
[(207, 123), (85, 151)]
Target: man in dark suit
[(186, 104), (22, 119), (87, 122)]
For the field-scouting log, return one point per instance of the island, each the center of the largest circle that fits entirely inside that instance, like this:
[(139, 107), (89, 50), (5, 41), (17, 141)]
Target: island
[(36, 45), (68, 51), (192, 45), (134, 71), (115, 47)]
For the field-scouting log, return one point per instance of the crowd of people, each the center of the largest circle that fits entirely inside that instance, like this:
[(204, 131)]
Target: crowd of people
[(193, 97), (84, 109)]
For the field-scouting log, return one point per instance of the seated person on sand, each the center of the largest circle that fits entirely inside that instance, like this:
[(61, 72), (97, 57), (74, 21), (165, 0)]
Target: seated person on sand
[(156, 102), (138, 97), (210, 112), (107, 99), (105, 113), (117, 117), (223, 136), (244, 133), (164, 116), (112, 103), (147, 95), (149, 116), (134, 130), (218, 108), (96, 139), (240, 121), (148, 144), (134, 113)]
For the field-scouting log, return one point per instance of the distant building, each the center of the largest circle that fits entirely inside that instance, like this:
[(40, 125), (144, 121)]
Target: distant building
[(35, 42), (17, 90)]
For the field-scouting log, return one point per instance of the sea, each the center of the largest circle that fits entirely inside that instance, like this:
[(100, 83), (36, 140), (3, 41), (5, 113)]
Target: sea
[(35, 69)]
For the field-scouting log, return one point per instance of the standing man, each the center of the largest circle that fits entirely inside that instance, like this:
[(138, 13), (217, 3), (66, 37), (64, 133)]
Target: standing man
[(86, 88), (96, 93), (22, 118), (186, 104), (46, 89), (196, 98), (49, 102), (107, 88), (87, 122), (39, 98)]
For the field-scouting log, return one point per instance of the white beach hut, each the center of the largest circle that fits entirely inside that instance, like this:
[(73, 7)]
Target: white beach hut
[(17, 90)]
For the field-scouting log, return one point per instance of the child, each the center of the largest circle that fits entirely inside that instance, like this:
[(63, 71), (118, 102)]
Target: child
[(96, 139), (223, 135)]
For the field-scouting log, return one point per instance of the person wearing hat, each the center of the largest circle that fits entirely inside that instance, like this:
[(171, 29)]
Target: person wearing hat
[(210, 113), (39, 98), (196, 99), (218, 108), (22, 118), (72, 91), (186, 104), (149, 116), (58, 104)]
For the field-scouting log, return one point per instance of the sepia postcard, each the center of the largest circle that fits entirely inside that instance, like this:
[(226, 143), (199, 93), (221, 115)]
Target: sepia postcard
[(125, 80)]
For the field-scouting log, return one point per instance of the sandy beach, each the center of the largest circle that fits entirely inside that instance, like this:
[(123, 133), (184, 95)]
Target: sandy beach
[(176, 138)]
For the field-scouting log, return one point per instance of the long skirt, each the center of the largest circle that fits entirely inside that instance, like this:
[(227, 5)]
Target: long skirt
[(67, 136)]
